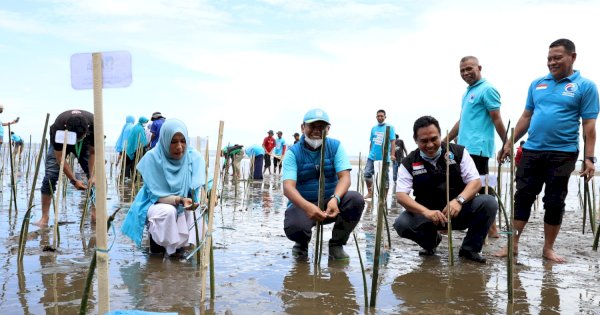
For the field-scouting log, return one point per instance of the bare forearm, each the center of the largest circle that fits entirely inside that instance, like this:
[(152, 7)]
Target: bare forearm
[(453, 132), (471, 189), (589, 131)]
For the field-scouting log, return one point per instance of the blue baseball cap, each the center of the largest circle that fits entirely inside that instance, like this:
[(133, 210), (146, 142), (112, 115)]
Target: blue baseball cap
[(316, 114)]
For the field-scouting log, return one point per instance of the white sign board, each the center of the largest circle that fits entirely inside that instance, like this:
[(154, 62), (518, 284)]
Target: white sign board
[(60, 137), (116, 70)]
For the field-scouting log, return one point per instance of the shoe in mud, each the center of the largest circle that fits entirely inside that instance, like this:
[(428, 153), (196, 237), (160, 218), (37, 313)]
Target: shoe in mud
[(300, 250), (337, 252)]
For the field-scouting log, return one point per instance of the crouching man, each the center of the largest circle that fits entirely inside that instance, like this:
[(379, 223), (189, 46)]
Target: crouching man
[(301, 186), (424, 172)]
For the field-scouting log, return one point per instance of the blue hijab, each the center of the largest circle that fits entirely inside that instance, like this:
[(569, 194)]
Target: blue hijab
[(124, 133), (165, 176), (137, 137)]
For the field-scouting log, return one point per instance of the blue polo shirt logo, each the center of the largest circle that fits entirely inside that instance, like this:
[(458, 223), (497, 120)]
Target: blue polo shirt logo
[(570, 89)]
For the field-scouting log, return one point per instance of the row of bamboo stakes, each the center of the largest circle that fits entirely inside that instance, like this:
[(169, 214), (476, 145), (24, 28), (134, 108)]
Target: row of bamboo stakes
[(586, 203)]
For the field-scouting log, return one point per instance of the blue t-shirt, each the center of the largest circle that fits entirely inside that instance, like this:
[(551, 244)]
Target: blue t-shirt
[(556, 108), (155, 129), (279, 143), (290, 168), (1, 131), (15, 138), (377, 138), (476, 130), (254, 150)]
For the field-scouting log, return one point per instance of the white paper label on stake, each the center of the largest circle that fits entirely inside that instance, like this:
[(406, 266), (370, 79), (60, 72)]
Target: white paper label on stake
[(60, 137), (116, 70)]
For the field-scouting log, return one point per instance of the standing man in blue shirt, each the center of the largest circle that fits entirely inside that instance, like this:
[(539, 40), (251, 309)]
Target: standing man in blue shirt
[(278, 152), (480, 115), (555, 104), (301, 187), (377, 138)]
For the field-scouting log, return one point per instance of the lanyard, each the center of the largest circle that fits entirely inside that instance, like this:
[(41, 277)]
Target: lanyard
[(78, 146)]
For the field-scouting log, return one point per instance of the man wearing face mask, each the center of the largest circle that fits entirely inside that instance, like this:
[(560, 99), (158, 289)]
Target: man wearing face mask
[(424, 172), (301, 186), (376, 149), (82, 123)]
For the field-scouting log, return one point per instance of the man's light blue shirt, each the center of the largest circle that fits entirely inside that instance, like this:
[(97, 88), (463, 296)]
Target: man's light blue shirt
[(290, 168), (279, 143), (377, 138), (556, 109), (476, 130)]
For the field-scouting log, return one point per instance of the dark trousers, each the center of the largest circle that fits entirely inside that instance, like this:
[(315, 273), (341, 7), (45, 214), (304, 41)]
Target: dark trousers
[(53, 168), (537, 168), (258, 165), (298, 227), (476, 215)]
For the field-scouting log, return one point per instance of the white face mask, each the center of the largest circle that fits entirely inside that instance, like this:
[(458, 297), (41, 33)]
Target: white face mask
[(313, 143)]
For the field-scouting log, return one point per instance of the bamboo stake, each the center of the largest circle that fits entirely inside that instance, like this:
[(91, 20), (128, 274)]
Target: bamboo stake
[(589, 202), (362, 268), (133, 177), (13, 186), (380, 216), (586, 194), (123, 162), (321, 199), (510, 224), (449, 217), (26, 218), (28, 159), (58, 189), (85, 206), (101, 227), (593, 210), (91, 270), (358, 186), (209, 230)]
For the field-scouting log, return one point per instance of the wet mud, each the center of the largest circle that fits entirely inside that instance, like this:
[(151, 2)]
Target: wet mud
[(256, 273)]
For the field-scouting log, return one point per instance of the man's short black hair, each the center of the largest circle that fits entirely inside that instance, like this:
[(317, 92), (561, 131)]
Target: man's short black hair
[(77, 124), (425, 121), (296, 134), (381, 111), (568, 44)]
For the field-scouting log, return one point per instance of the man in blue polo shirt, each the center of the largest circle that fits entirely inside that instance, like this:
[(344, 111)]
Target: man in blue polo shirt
[(555, 103), (377, 138), (278, 152), (301, 187), (480, 115)]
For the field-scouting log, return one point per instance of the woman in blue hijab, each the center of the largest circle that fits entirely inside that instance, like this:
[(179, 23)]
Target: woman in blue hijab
[(124, 134), (173, 174), (136, 142)]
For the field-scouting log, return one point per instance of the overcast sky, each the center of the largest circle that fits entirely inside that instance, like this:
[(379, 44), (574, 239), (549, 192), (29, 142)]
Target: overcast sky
[(261, 65)]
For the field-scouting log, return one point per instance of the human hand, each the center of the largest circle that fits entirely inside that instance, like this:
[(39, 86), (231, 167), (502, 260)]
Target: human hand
[(314, 213), (588, 169), (79, 185), (332, 208), (436, 216), (454, 207), (92, 181), (189, 204), (503, 153)]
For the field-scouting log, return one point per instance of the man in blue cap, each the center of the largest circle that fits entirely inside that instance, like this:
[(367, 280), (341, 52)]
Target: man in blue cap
[(301, 187)]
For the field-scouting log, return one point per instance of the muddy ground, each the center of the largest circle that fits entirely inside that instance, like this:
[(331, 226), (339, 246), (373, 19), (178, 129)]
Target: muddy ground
[(256, 273)]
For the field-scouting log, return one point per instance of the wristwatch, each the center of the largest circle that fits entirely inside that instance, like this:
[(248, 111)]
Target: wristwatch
[(460, 199), (336, 197), (591, 158)]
